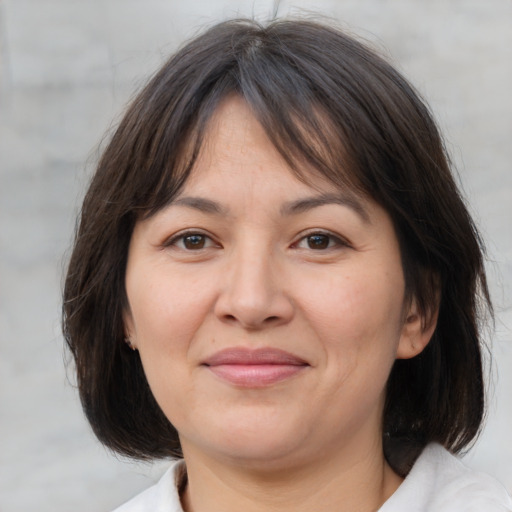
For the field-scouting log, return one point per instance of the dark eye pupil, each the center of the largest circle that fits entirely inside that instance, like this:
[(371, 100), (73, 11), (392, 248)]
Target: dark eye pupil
[(318, 241), (194, 241)]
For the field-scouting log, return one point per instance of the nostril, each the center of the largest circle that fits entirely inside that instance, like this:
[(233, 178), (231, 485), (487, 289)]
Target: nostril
[(254, 311)]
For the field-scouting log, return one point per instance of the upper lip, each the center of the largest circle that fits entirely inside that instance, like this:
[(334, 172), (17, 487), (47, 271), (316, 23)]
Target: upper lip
[(259, 356)]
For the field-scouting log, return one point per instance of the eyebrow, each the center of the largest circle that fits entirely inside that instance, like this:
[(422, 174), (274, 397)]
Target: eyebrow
[(308, 203), (291, 208), (202, 204)]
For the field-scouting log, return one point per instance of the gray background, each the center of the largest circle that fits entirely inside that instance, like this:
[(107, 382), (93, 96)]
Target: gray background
[(66, 69)]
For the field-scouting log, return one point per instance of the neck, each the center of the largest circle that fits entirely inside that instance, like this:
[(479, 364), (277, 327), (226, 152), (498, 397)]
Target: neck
[(349, 481)]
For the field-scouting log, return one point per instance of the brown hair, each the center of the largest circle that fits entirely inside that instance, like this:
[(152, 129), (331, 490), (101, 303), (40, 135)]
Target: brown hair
[(327, 101)]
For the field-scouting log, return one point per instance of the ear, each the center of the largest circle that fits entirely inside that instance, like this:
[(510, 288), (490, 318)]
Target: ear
[(129, 330), (417, 330)]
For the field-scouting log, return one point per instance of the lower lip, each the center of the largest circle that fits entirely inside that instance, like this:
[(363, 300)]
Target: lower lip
[(255, 375)]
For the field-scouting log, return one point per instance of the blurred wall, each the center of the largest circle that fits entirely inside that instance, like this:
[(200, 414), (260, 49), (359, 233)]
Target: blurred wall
[(66, 69)]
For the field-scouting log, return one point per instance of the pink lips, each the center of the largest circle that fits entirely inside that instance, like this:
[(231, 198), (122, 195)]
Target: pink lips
[(254, 368)]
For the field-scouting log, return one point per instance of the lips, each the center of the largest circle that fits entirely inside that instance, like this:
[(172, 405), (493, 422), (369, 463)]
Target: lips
[(254, 367)]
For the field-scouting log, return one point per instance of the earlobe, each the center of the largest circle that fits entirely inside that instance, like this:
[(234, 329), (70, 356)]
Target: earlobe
[(130, 344), (417, 330), (128, 330)]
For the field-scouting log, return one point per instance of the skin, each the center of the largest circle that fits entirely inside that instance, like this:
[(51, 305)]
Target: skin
[(248, 256)]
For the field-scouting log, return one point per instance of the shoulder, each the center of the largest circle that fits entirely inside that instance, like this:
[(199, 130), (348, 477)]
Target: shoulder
[(162, 497), (440, 482)]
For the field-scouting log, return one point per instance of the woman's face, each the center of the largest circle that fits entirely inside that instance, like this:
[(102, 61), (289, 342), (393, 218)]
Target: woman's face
[(267, 313)]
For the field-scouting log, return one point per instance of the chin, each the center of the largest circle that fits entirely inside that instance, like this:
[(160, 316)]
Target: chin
[(258, 444), (263, 454)]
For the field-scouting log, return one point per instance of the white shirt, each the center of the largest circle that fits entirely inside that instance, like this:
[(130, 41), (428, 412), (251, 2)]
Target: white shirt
[(438, 482)]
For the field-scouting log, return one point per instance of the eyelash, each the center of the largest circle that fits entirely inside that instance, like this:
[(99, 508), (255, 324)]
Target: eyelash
[(180, 237), (334, 241), (207, 241)]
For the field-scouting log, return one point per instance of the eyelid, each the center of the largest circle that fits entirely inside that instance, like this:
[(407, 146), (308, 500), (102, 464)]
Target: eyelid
[(339, 240), (172, 240)]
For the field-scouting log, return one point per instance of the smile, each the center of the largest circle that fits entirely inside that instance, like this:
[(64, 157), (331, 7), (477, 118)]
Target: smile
[(254, 368)]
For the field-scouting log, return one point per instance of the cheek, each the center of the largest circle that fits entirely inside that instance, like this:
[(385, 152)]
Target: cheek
[(166, 311), (357, 318), (166, 324), (356, 303), (163, 323)]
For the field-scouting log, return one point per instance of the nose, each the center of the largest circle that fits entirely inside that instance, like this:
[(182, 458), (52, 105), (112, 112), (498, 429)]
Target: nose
[(253, 295)]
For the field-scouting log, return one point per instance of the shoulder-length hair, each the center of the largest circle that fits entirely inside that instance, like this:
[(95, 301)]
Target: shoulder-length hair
[(326, 101)]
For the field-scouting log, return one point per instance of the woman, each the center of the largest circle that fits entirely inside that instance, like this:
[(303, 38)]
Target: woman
[(276, 280)]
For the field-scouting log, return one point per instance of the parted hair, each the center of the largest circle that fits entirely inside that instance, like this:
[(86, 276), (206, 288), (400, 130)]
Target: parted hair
[(326, 101)]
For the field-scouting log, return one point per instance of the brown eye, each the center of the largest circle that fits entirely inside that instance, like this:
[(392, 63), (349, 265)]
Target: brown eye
[(318, 241), (190, 241), (321, 241), (195, 241)]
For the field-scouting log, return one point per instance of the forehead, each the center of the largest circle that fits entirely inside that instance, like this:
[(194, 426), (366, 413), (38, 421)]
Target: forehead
[(238, 163), (236, 144), (233, 136)]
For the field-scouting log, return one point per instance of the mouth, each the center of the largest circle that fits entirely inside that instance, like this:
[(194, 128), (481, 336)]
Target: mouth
[(254, 368)]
